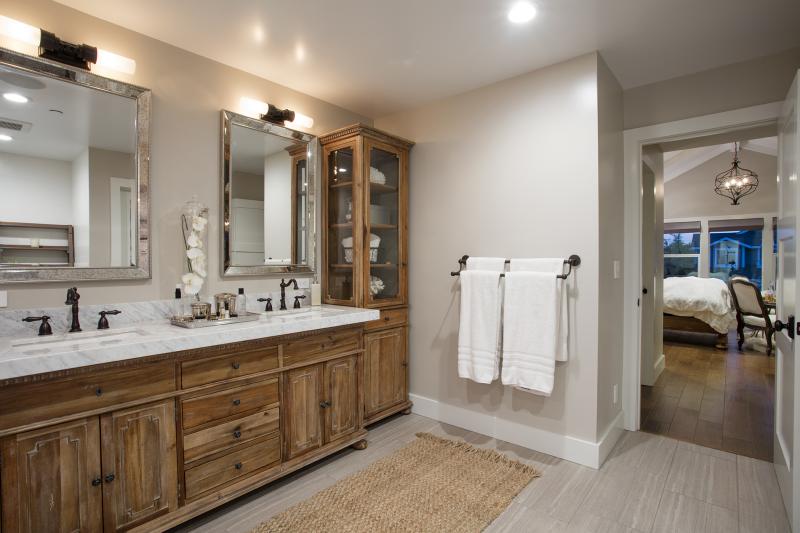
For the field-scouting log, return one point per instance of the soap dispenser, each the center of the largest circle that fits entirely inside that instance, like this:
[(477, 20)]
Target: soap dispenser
[(241, 303)]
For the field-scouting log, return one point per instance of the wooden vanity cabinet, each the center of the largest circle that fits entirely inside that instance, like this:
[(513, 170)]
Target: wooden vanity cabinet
[(365, 201), (105, 473), (322, 405)]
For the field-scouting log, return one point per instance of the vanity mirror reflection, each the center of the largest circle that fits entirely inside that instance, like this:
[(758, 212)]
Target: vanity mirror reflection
[(268, 197), (74, 156)]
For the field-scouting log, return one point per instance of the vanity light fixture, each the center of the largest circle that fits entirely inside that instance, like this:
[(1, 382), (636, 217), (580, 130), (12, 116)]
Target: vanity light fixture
[(270, 113), (521, 12), (5, 138), (16, 98), (51, 47)]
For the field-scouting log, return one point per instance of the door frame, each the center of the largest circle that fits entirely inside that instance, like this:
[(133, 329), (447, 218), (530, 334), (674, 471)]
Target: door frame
[(634, 140)]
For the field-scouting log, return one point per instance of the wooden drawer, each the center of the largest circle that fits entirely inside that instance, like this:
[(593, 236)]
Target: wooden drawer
[(27, 403), (217, 438), (229, 402), (203, 371), (332, 343), (389, 318), (242, 462)]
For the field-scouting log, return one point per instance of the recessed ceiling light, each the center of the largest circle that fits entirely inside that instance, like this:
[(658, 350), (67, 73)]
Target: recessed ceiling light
[(16, 98), (5, 138), (521, 12)]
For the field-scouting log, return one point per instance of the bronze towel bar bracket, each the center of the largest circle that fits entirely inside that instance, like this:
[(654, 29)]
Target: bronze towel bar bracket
[(573, 261)]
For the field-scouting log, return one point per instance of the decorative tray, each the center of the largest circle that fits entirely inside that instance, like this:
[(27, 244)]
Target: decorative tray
[(191, 323)]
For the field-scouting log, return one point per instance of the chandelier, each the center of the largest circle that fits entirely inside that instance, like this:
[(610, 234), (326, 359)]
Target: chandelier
[(736, 182)]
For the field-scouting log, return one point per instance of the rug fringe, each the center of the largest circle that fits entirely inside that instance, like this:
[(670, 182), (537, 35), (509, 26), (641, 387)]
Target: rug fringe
[(491, 455)]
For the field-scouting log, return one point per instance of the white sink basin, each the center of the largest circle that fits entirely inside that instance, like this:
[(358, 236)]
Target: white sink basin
[(102, 338)]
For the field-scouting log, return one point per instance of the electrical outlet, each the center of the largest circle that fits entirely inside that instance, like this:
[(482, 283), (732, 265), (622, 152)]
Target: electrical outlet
[(3, 299), (614, 395), (617, 270)]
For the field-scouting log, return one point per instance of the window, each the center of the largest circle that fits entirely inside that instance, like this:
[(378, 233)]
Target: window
[(735, 249), (681, 249)]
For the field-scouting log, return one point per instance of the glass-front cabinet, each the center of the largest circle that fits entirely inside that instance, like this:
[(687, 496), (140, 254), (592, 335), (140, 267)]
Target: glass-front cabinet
[(366, 176)]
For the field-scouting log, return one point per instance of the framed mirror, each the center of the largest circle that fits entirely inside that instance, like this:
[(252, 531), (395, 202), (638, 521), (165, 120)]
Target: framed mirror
[(74, 174), (268, 188)]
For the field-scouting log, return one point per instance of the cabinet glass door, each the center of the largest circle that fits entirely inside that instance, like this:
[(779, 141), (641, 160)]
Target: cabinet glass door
[(341, 247), (384, 217)]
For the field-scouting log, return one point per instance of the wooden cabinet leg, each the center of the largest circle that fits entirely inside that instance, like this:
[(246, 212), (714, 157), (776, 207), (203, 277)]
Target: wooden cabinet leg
[(360, 445), (406, 411)]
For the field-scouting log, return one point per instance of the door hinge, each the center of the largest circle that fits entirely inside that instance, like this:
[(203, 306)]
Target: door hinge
[(638, 302)]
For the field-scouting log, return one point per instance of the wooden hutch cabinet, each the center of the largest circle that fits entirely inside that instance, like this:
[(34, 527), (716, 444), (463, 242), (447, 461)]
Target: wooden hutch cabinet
[(365, 248)]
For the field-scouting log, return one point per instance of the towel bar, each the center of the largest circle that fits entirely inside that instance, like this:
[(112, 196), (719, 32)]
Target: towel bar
[(573, 261)]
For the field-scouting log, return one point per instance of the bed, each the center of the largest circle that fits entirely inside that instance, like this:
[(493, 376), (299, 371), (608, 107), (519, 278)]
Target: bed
[(699, 305)]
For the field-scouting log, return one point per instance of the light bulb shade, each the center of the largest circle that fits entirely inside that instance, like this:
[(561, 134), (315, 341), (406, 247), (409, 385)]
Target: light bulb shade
[(252, 107), (109, 60), (301, 121), (736, 182), (19, 31)]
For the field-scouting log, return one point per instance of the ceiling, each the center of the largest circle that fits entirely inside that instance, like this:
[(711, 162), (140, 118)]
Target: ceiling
[(679, 162), (62, 119), (377, 57)]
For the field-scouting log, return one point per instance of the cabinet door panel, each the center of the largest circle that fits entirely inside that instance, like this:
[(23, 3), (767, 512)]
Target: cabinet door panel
[(303, 394), (139, 452), (384, 370), (341, 397), (47, 479)]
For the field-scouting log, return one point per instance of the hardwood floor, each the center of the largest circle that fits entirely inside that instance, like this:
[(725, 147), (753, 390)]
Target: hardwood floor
[(650, 483), (719, 399)]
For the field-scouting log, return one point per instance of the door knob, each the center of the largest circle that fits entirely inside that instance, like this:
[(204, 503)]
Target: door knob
[(96, 481), (644, 291), (110, 478), (788, 326)]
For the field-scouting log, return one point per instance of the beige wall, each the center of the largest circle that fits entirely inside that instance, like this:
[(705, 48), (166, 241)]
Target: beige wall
[(188, 93), (692, 193), (248, 186), (758, 81), (507, 170), (611, 229)]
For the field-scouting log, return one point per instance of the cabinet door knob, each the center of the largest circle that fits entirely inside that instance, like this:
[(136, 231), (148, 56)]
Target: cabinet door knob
[(238, 466), (98, 391), (324, 404), (96, 481), (237, 401), (110, 478), (235, 365), (237, 433)]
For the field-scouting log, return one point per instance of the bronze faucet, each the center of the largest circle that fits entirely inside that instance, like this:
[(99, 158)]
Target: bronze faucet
[(72, 299), (285, 284)]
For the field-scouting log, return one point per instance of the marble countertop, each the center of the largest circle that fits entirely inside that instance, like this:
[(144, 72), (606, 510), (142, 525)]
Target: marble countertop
[(25, 356)]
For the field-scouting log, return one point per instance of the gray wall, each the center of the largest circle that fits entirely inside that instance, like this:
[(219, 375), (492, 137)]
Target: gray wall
[(758, 81), (611, 229), (104, 165), (520, 183), (692, 193), (188, 93)]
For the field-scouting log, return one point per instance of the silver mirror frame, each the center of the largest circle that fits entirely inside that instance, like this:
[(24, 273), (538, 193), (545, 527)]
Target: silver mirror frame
[(52, 69), (230, 119)]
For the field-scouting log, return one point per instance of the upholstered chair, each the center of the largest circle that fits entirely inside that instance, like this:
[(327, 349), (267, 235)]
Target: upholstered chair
[(751, 312)]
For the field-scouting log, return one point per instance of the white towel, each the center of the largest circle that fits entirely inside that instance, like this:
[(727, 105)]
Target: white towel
[(530, 331), (479, 327), (556, 266)]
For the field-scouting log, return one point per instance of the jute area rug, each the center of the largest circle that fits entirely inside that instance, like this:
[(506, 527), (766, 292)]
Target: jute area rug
[(432, 484)]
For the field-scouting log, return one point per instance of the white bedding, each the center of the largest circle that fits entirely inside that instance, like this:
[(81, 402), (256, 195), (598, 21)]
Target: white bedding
[(707, 299)]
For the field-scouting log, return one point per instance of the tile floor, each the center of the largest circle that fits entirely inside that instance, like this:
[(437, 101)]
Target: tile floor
[(719, 399), (650, 483)]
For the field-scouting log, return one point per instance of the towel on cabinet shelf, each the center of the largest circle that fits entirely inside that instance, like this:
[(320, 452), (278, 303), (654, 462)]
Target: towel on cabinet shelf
[(532, 325), (479, 326)]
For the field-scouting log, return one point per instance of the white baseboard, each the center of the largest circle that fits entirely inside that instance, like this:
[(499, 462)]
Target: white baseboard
[(573, 449), (658, 367)]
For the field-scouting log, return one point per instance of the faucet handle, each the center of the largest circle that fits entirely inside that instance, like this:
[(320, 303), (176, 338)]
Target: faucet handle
[(269, 303), (297, 301), (44, 328), (103, 323)]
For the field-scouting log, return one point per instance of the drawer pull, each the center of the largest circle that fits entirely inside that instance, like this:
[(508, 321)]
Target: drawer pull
[(237, 401), (237, 433), (386, 318), (110, 478), (96, 481), (98, 392), (235, 365), (324, 404), (238, 466)]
